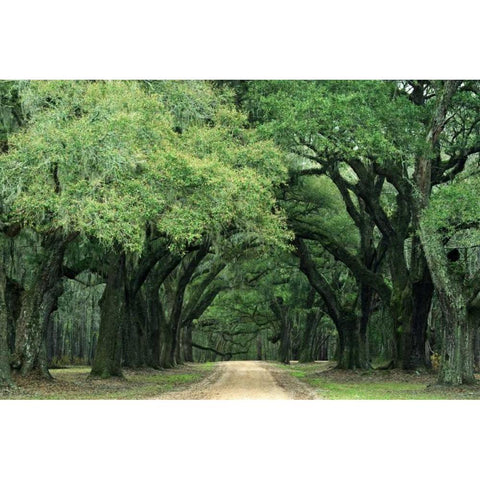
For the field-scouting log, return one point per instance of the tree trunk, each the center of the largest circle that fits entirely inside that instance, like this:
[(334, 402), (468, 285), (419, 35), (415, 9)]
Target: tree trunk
[(157, 329), (179, 359), (13, 299), (457, 348), (307, 353), (366, 299), (38, 303), (187, 344), (167, 355), (422, 295), (153, 315), (259, 347), (458, 337), (175, 317), (351, 353), (477, 350), (400, 304), (51, 342), (107, 360), (285, 339), (459, 321), (5, 374), (134, 335), (175, 329), (141, 328)]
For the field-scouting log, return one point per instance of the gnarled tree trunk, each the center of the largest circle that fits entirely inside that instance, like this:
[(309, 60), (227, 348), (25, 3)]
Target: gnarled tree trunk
[(460, 316), (134, 333), (39, 301), (352, 350), (108, 356), (458, 337)]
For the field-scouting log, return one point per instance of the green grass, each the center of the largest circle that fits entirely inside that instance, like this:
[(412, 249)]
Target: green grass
[(375, 385), (370, 391), (73, 383)]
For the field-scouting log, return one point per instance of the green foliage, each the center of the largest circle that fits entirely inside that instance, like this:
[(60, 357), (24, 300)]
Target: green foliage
[(451, 223), (454, 207), (103, 159), (191, 102), (462, 131), (315, 203), (340, 119), (89, 160)]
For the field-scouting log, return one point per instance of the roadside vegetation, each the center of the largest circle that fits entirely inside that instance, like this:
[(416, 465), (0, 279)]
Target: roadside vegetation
[(74, 383), (334, 384)]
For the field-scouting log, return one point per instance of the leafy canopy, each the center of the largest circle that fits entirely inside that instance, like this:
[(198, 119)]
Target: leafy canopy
[(339, 119), (105, 159)]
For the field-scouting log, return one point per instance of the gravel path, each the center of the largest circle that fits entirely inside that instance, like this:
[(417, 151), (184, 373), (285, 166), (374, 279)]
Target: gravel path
[(245, 380)]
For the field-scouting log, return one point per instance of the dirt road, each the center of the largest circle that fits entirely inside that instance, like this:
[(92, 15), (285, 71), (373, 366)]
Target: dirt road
[(245, 380)]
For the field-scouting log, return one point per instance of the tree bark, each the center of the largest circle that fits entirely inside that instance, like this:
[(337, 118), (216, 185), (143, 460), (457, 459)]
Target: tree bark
[(458, 337), (422, 294), (285, 339), (175, 317), (39, 302), (134, 334), (13, 299), (306, 353), (282, 315), (5, 373), (459, 318), (153, 315), (156, 327), (351, 354), (259, 347), (187, 344), (108, 356), (167, 345), (366, 299)]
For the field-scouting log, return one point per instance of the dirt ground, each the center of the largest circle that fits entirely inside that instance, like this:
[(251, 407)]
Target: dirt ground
[(245, 380)]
